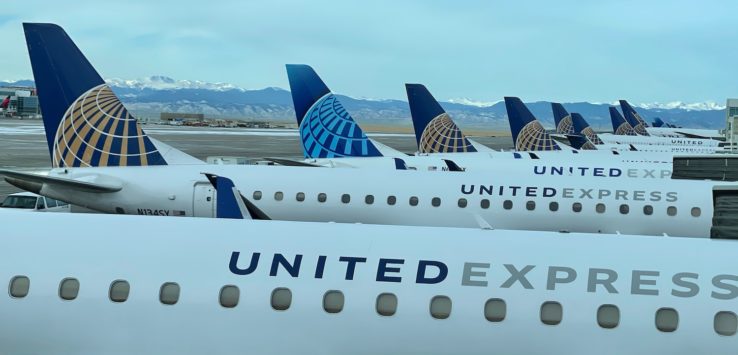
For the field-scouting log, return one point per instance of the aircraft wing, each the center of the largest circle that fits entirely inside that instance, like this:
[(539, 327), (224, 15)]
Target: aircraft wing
[(34, 182)]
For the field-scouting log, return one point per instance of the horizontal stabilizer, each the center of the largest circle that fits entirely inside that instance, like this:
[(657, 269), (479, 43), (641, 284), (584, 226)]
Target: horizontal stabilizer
[(452, 166), (85, 184)]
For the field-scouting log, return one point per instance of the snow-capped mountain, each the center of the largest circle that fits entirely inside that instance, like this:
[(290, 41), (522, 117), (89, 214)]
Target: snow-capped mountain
[(148, 97)]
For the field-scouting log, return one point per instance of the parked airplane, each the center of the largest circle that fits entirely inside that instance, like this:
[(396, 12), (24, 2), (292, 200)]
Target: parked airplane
[(663, 129), (221, 286), (439, 148)]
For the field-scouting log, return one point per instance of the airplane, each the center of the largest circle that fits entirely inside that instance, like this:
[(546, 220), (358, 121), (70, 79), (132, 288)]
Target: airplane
[(625, 137), (586, 197), (669, 131), (5, 103), (330, 123), (125, 284)]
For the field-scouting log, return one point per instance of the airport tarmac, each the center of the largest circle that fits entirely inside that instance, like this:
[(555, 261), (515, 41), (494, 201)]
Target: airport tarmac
[(23, 143)]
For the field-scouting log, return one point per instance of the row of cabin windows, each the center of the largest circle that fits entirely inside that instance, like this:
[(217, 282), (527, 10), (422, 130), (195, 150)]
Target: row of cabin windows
[(495, 309), (484, 203)]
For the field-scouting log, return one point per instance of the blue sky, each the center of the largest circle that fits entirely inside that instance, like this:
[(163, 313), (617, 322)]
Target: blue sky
[(599, 51)]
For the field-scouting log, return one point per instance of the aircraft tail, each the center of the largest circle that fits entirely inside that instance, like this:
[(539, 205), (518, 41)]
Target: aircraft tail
[(326, 128), (562, 119), (580, 141), (658, 122), (435, 131), (85, 122), (528, 134), (619, 126), (633, 118), (582, 127), (5, 103)]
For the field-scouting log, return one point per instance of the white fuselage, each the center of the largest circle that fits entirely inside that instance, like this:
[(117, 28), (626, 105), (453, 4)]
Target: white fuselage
[(684, 132), (597, 202), (511, 274), (674, 145)]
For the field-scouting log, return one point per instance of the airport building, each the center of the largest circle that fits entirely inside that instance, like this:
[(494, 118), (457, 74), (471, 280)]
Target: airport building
[(181, 118), (23, 102), (731, 122)]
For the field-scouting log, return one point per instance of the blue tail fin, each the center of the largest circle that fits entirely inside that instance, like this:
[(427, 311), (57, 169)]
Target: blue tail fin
[(633, 118), (582, 127), (85, 123), (562, 119), (658, 122), (619, 126), (527, 132), (326, 128), (435, 131)]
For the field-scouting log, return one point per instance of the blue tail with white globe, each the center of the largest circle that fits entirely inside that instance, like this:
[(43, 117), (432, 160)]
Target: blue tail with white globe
[(326, 128)]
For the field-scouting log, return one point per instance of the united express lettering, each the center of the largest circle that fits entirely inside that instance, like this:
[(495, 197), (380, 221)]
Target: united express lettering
[(481, 274), (578, 193)]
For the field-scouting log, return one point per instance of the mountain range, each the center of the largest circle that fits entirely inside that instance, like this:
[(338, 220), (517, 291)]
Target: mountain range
[(149, 96)]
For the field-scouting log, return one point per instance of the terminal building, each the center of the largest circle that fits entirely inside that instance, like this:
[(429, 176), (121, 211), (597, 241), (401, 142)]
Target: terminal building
[(23, 102), (731, 123)]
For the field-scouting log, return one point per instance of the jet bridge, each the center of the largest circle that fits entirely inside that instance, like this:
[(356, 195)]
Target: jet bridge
[(718, 167)]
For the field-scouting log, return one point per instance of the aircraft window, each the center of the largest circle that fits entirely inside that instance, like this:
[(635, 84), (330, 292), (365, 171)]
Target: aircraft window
[(333, 301), (507, 204), (530, 205), (50, 202), (671, 211), (667, 319), (553, 206), (369, 199), (576, 207), (413, 201), (440, 307), (696, 212), (391, 200), (300, 196), (608, 316), (40, 203), (462, 203), (169, 293), (386, 304), (257, 195), (119, 291), (484, 203), (624, 209), (69, 289), (345, 198), (648, 210), (278, 196), (229, 296), (600, 208), (495, 310), (551, 313), (436, 201), (322, 197), (281, 298), (726, 323), (19, 286)]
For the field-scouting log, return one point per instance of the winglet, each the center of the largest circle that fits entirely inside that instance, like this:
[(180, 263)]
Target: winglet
[(326, 128), (562, 119), (619, 126), (435, 131), (230, 204), (633, 118), (85, 123), (528, 134)]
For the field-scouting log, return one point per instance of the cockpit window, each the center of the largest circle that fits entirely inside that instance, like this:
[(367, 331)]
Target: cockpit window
[(25, 202)]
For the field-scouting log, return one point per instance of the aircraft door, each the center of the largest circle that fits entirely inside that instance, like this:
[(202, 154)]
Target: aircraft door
[(203, 201), (725, 217)]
